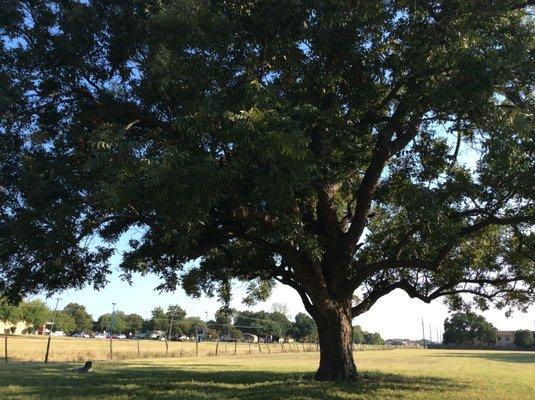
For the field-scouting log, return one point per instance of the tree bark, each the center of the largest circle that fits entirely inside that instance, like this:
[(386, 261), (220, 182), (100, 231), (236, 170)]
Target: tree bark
[(335, 333)]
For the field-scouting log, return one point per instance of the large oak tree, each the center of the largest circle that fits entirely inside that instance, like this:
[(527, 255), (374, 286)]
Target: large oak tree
[(344, 148)]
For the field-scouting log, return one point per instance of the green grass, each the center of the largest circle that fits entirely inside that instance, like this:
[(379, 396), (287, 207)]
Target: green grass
[(396, 374)]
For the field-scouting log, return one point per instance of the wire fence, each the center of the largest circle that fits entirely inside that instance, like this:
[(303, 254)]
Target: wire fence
[(33, 349)]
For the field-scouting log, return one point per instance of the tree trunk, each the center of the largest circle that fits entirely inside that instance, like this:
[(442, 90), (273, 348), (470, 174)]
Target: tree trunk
[(336, 345)]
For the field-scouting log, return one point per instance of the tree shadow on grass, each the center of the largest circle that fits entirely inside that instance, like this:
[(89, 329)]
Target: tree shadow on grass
[(510, 357), (184, 382)]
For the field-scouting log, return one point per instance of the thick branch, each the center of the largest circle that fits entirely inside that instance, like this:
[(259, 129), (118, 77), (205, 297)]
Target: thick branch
[(384, 149), (383, 288)]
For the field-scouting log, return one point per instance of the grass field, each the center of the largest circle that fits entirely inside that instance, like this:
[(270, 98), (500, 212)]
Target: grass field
[(32, 348), (397, 374)]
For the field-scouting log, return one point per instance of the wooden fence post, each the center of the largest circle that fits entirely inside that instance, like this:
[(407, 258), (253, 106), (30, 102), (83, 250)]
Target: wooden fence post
[(48, 347), (259, 348), (5, 348), (216, 347), (138, 352), (197, 347), (269, 350), (249, 347), (235, 347)]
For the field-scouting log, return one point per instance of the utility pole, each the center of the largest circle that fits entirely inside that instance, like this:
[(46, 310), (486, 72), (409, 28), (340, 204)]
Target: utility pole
[(430, 335), (168, 337), (423, 334), (111, 330), (51, 330), (171, 325)]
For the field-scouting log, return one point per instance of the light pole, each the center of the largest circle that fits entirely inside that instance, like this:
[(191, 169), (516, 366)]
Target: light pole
[(51, 329), (111, 330)]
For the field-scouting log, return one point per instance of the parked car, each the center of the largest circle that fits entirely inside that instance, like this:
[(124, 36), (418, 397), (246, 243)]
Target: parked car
[(81, 335), (58, 333)]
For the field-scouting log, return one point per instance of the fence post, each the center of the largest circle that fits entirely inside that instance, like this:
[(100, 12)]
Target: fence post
[(282, 347), (235, 347), (48, 347), (5, 348), (138, 352), (269, 350), (216, 347), (259, 348), (166, 347), (197, 347), (111, 347)]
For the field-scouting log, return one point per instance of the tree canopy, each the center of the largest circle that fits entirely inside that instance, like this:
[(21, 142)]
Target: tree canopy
[(363, 337), (35, 313), (115, 323), (82, 319), (468, 328), (134, 323), (524, 338), (262, 323), (9, 312), (304, 328), (64, 321), (336, 147)]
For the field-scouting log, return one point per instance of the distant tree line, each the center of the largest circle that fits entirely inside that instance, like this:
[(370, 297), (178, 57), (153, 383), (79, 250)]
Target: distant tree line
[(363, 337), (173, 321)]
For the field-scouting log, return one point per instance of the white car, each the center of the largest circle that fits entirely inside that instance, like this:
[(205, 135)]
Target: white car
[(58, 333), (121, 336)]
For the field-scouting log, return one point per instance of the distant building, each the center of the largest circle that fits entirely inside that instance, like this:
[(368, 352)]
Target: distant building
[(403, 342), (505, 338), (248, 337), (20, 328)]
